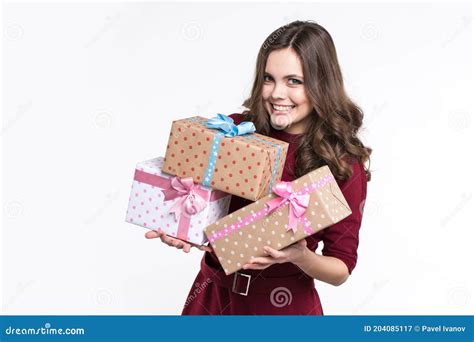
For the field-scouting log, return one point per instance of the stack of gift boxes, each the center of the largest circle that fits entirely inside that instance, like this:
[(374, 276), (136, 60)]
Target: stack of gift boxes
[(187, 193)]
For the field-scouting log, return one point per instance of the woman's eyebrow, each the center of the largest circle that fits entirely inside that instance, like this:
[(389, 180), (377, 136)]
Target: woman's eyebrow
[(287, 76)]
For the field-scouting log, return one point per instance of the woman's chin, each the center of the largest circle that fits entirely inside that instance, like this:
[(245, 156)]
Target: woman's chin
[(280, 121)]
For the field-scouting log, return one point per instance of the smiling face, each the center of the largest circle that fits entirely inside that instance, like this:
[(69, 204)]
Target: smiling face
[(283, 93)]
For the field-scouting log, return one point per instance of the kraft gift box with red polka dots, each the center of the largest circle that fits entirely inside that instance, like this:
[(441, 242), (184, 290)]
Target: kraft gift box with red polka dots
[(312, 202), (177, 206), (246, 165)]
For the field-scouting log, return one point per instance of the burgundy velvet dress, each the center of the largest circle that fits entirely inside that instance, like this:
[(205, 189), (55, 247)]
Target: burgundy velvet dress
[(281, 289)]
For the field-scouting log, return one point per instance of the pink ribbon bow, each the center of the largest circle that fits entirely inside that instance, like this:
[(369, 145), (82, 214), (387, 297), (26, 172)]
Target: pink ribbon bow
[(298, 203), (192, 197)]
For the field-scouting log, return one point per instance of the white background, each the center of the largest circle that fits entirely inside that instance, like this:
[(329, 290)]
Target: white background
[(91, 89)]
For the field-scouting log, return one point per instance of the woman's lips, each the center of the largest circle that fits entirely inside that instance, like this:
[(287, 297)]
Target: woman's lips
[(274, 111), (281, 109)]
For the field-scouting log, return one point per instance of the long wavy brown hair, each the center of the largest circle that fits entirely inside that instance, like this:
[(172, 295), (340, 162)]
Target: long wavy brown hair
[(331, 137)]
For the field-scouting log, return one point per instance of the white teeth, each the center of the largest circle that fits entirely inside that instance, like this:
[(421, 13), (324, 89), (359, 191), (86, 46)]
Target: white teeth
[(282, 108)]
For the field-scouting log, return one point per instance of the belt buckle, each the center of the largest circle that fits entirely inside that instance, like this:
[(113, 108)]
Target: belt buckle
[(248, 276)]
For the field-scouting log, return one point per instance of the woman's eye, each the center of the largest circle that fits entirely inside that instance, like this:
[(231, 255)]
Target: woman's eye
[(267, 78), (294, 81)]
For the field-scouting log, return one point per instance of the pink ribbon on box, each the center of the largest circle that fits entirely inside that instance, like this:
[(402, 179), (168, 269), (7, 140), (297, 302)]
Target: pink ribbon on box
[(298, 203), (193, 198)]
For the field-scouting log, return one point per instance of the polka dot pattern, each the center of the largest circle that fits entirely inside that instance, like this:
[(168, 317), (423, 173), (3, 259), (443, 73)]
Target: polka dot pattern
[(243, 165), (148, 209), (327, 206)]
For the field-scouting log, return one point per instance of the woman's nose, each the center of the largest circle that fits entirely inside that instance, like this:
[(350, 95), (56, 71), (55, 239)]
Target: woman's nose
[(279, 91)]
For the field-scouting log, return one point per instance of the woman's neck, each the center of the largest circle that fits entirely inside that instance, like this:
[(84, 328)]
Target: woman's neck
[(298, 127)]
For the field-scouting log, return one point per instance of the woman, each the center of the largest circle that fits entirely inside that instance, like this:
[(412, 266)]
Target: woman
[(298, 96)]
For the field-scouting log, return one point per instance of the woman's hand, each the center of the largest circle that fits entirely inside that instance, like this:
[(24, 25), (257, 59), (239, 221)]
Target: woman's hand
[(292, 253), (179, 244)]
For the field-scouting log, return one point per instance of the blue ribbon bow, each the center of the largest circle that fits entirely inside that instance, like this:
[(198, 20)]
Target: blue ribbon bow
[(226, 125)]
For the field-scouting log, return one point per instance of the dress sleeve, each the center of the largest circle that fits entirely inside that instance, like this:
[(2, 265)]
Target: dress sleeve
[(237, 117), (342, 239)]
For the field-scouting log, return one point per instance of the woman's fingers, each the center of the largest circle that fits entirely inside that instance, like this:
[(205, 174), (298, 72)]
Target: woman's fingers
[(152, 234), (204, 248), (302, 243), (262, 260), (172, 242), (175, 243), (273, 252), (168, 240)]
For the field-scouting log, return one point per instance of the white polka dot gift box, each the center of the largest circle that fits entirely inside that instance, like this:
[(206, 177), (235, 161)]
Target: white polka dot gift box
[(177, 206), (224, 156), (292, 212)]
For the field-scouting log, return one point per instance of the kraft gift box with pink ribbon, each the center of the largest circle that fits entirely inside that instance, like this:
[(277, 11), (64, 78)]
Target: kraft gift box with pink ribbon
[(177, 206), (224, 156), (292, 212)]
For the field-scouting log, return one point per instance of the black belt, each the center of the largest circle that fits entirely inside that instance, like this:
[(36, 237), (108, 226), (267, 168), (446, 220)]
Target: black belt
[(245, 284)]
